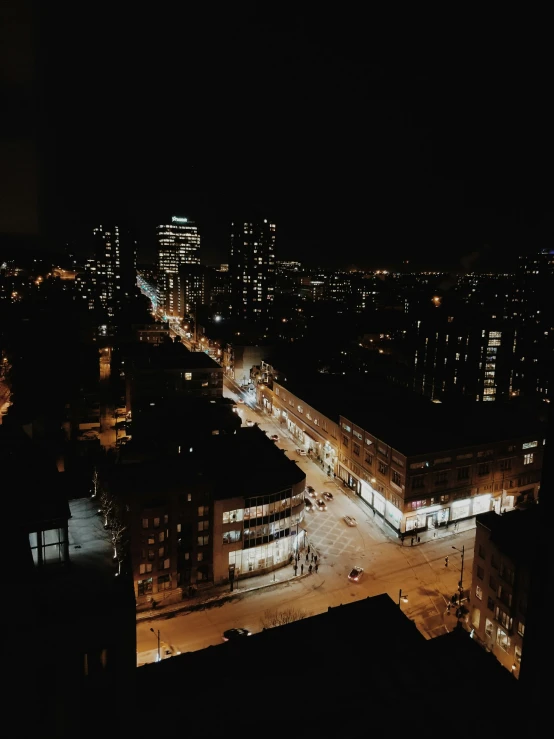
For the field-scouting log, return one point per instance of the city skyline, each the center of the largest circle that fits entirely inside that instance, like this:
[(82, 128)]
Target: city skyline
[(354, 154)]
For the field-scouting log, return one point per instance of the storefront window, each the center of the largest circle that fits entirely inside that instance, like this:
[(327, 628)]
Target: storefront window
[(460, 510)]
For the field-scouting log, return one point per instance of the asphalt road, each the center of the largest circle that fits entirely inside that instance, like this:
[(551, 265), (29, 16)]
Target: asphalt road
[(419, 571)]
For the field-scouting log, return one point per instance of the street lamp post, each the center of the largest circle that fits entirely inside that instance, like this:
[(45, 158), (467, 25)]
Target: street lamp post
[(158, 632), (461, 583)]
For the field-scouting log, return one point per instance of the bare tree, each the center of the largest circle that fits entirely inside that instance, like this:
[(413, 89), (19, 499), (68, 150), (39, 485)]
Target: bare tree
[(107, 506), (95, 483), (117, 532), (274, 617)]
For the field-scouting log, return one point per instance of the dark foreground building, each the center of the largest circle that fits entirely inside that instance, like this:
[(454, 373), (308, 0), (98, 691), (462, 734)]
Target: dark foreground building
[(71, 618), (360, 669)]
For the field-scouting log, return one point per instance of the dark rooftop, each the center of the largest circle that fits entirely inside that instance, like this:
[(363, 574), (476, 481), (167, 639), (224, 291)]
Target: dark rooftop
[(514, 532), (412, 423), (245, 464), (356, 666), (168, 356)]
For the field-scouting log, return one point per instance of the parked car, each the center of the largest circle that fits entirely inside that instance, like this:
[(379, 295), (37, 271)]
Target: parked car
[(328, 496), (309, 504), (356, 574), (311, 492), (350, 520), (309, 489), (321, 505), (231, 634), (274, 437), (301, 452)]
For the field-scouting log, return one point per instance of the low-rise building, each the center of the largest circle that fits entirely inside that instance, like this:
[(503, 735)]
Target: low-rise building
[(314, 429), (151, 333), (166, 371), (425, 470), (418, 464)]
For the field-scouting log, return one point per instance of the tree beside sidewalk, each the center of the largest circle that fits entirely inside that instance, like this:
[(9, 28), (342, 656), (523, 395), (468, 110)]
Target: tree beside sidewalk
[(275, 617)]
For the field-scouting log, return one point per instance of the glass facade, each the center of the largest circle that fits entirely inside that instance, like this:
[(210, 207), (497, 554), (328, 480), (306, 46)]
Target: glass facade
[(270, 524)]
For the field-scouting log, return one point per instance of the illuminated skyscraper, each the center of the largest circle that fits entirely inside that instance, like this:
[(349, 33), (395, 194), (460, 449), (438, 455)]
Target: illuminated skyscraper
[(178, 244), (252, 269)]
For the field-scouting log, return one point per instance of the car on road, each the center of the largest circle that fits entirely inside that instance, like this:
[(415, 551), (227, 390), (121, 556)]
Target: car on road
[(309, 504), (311, 492), (309, 489), (274, 437), (301, 452), (231, 634), (321, 505), (356, 574), (328, 496), (350, 520)]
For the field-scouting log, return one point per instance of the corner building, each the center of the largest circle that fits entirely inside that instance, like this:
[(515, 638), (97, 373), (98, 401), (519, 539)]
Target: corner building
[(229, 508)]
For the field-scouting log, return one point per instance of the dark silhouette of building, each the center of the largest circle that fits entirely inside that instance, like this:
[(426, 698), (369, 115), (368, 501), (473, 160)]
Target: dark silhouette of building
[(74, 635), (363, 665)]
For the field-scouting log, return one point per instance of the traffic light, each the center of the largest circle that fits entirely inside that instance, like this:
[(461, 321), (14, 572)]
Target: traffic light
[(446, 561)]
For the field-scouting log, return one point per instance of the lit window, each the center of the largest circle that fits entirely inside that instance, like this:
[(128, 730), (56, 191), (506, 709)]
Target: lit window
[(527, 459), (479, 592)]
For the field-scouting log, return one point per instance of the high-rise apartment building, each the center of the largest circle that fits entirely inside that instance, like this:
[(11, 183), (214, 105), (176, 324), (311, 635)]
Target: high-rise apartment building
[(110, 276), (533, 313), (178, 244), (108, 268), (252, 269), (186, 290), (465, 354)]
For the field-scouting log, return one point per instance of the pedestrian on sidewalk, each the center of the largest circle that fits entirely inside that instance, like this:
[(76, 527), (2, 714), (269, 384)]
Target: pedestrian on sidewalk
[(316, 567), (412, 542), (310, 569), (315, 559), (295, 570), (374, 511), (301, 569), (402, 539), (308, 548), (307, 555)]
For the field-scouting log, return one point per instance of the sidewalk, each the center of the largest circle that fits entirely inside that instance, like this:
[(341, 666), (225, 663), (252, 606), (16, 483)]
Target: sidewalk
[(424, 536), (219, 594)]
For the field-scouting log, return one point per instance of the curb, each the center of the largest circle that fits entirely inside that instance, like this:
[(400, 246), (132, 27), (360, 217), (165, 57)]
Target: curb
[(209, 602)]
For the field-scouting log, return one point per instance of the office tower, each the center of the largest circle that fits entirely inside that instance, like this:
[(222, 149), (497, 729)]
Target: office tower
[(178, 244), (252, 269)]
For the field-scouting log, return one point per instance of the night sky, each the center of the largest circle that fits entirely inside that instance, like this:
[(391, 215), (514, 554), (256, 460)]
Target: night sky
[(368, 142)]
